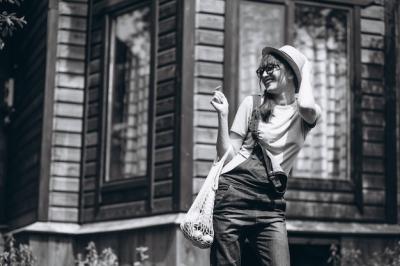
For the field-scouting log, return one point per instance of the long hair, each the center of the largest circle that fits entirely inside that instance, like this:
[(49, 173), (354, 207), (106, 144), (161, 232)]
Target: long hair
[(268, 105)]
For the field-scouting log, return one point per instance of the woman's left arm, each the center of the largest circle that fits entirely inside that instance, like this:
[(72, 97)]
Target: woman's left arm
[(306, 102)]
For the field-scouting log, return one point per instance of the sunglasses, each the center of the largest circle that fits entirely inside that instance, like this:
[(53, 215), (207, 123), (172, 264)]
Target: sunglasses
[(269, 69)]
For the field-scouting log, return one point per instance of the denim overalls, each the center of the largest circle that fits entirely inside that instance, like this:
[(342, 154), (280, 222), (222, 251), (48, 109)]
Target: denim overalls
[(246, 207)]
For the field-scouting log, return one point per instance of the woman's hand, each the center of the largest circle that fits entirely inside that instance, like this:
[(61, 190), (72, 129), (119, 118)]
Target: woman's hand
[(220, 103)]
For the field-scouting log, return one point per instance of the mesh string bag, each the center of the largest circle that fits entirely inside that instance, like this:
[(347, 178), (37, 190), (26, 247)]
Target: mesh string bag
[(197, 224)]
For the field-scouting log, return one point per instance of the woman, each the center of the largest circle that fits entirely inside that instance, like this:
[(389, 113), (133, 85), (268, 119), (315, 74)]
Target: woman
[(249, 204)]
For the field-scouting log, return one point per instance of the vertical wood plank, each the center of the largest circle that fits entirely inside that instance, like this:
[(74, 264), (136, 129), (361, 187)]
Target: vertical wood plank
[(85, 110), (152, 107), (182, 189), (391, 65), (47, 127), (356, 129), (231, 52)]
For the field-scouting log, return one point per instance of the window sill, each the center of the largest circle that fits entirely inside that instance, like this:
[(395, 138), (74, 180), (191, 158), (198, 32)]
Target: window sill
[(124, 184)]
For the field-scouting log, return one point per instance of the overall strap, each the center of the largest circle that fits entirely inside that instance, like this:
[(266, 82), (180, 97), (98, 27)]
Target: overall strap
[(255, 117), (253, 128)]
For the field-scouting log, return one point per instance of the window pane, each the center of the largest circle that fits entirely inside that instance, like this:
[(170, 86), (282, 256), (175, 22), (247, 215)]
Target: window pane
[(322, 34), (261, 25), (128, 97)]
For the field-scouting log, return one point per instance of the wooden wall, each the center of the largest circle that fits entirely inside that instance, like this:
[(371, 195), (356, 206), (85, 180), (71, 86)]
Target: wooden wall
[(63, 194), (318, 200), (160, 196), (25, 131), (209, 60)]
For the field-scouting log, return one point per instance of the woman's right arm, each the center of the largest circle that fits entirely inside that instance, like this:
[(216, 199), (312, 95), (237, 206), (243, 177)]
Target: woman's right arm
[(224, 139)]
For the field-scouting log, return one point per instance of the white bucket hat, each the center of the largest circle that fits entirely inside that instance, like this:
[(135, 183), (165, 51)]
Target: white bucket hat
[(292, 56)]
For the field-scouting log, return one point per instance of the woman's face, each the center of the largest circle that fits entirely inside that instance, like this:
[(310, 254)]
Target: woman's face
[(273, 76)]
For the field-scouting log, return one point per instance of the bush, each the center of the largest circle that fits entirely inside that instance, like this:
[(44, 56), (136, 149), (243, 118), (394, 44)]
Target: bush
[(92, 258), (12, 256), (9, 20), (389, 257)]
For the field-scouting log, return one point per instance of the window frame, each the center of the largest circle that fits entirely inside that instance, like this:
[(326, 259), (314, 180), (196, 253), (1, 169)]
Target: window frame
[(105, 189), (231, 54)]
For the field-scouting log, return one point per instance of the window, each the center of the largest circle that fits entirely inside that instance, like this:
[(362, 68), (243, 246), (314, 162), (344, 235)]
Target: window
[(128, 94), (324, 33), (253, 36)]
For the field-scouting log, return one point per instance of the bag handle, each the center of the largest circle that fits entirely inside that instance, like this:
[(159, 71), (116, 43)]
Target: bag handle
[(221, 162)]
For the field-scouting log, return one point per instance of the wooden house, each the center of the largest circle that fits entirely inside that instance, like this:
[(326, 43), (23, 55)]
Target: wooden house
[(112, 131)]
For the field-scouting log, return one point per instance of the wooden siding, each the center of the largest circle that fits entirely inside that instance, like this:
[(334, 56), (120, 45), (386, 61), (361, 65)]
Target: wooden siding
[(317, 199), (209, 60), (25, 130), (63, 196), (164, 120)]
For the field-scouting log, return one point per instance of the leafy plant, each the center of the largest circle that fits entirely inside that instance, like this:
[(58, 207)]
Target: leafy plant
[(389, 257), (9, 21), (143, 258), (12, 256), (92, 258)]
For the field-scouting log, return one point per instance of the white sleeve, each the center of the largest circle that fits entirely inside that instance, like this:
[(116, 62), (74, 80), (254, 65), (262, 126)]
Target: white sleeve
[(241, 122)]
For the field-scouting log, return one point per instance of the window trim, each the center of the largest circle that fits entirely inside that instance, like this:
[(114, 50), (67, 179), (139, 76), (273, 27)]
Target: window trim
[(231, 48), (103, 187)]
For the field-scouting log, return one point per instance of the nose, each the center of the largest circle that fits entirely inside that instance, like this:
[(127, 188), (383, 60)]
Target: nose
[(264, 74)]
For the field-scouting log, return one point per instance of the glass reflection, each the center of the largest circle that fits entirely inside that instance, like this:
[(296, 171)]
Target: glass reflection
[(260, 25), (128, 97), (322, 34)]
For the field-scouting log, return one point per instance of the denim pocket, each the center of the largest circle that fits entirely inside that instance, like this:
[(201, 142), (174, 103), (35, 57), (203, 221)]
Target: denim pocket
[(221, 193)]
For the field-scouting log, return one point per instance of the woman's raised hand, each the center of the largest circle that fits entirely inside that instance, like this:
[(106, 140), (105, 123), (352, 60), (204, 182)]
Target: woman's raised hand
[(220, 103)]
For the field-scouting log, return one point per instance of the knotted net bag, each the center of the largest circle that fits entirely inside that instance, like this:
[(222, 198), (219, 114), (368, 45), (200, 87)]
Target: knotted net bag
[(197, 224)]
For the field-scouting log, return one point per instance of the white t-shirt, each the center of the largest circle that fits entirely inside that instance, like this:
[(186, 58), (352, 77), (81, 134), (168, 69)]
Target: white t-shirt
[(282, 137)]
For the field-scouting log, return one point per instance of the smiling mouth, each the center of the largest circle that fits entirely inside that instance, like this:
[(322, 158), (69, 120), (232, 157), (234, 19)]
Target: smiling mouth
[(267, 81)]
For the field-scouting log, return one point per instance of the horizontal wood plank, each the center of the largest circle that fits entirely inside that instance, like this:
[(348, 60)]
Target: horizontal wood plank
[(206, 85), (72, 23), (211, 6), (64, 199), (167, 25), (116, 211), (68, 124), (204, 152), (70, 81), (205, 135), (207, 21), (163, 171), (372, 87), (372, 26), (209, 37), (206, 53), (65, 169), (372, 41), (71, 37), (167, 10), (66, 95), (64, 184), (67, 139), (331, 211), (164, 155), (72, 8), (372, 57), (68, 110), (373, 12), (66, 154), (206, 119), (71, 52), (212, 70), (63, 214)]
